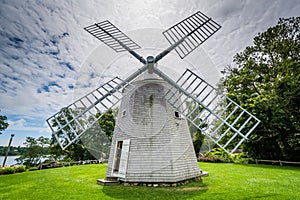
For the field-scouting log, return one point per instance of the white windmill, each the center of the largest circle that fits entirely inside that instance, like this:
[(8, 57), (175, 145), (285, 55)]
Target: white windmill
[(151, 141)]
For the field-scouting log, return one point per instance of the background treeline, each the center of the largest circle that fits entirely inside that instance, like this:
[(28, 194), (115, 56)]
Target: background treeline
[(13, 151)]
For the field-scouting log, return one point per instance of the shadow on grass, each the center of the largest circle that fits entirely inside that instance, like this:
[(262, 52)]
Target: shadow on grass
[(187, 191)]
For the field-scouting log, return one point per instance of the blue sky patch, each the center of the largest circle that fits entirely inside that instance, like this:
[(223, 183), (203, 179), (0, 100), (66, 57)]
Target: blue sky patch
[(61, 75), (47, 88), (68, 65)]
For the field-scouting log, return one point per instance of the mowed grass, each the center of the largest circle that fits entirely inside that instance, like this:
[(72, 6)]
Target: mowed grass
[(225, 181)]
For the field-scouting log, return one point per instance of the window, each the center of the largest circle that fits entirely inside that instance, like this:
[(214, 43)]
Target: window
[(123, 113)]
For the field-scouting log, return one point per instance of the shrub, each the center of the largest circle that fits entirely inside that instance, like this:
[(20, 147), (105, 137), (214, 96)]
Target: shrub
[(242, 158), (20, 168), (215, 155), (67, 160), (12, 170), (219, 155), (8, 170)]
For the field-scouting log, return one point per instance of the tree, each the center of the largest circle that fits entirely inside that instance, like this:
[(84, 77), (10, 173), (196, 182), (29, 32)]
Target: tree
[(3, 124), (107, 122), (196, 134), (97, 139), (266, 82), (34, 151), (13, 151), (76, 151), (93, 143)]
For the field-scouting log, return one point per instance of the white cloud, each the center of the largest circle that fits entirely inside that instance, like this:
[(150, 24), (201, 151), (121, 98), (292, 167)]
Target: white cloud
[(22, 125)]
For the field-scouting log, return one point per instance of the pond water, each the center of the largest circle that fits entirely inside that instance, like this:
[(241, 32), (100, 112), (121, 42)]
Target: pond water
[(9, 161)]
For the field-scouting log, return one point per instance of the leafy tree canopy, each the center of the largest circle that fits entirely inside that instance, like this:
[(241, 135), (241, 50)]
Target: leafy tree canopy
[(266, 81), (94, 143), (196, 134), (3, 124), (34, 151)]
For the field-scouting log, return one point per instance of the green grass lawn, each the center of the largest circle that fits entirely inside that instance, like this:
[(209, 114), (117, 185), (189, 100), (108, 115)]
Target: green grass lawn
[(225, 181)]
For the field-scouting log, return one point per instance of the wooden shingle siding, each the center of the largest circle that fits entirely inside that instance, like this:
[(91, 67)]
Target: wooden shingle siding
[(161, 148)]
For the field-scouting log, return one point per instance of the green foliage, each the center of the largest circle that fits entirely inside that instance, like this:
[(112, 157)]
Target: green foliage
[(20, 168), (13, 151), (196, 134), (107, 122), (74, 152), (34, 151), (198, 138), (12, 170), (219, 155), (266, 82), (8, 170), (243, 158), (216, 155), (3, 123), (77, 151)]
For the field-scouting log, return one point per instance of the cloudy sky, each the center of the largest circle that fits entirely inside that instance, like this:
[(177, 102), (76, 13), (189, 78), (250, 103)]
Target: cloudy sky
[(45, 53)]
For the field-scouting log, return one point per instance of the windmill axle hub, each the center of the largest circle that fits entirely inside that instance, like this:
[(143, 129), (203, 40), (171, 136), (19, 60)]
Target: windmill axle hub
[(150, 63)]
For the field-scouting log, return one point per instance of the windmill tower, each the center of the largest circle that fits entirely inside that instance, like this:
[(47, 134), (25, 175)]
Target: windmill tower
[(151, 141)]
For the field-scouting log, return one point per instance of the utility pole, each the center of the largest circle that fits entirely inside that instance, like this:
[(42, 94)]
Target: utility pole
[(4, 161)]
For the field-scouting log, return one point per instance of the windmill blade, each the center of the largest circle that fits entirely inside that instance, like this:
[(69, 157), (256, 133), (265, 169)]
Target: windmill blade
[(188, 34), (73, 121), (110, 35), (96, 141), (218, 117)]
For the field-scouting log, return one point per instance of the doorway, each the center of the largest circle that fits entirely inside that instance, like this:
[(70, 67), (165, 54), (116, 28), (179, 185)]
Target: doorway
[(117, 157)]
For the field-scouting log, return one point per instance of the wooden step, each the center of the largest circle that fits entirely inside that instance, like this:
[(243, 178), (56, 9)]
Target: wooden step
[(108, 181), (112, 178)]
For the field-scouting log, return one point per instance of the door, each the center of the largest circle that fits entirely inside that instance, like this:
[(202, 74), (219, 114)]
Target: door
[(124, 159), (121, 158)]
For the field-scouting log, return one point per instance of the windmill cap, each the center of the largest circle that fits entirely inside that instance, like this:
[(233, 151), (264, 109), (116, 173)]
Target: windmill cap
[(150, 59)]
